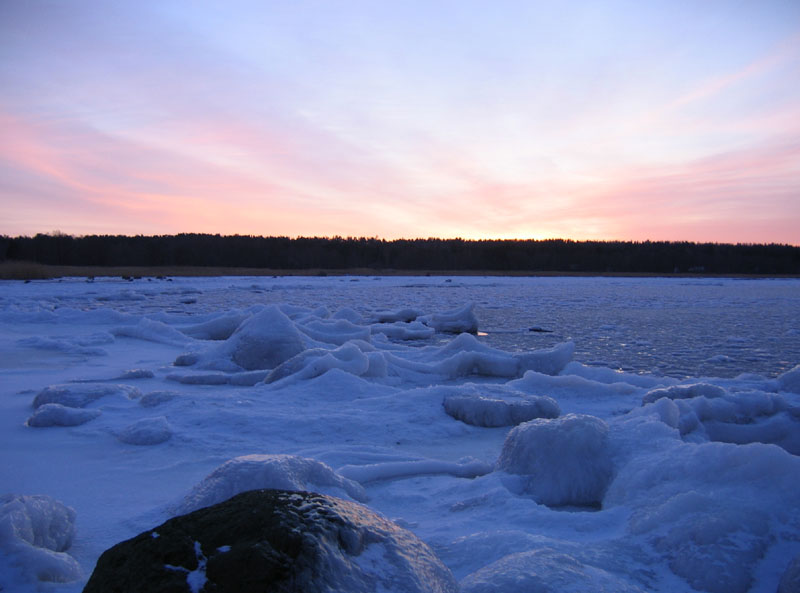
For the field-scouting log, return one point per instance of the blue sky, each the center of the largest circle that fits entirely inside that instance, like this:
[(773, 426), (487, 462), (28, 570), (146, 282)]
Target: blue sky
[(585, 120)]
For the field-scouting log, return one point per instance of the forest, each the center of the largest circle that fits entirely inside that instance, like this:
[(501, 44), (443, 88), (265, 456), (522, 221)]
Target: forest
[(418, 255)]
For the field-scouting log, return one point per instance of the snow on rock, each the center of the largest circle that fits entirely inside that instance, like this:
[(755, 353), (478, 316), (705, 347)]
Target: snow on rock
[(262, 341), (275, 540), (457, 321), (544, 571), (564, 461), (35, 531), (790, 380), (284, 472), (80, 395), (683, 392), (490, 412), (58, 415), (148, 431)]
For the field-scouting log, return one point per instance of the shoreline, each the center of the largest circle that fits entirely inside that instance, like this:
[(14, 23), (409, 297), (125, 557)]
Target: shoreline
[(16, 270)]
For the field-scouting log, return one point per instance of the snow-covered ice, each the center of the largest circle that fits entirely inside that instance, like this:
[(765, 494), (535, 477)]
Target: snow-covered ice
[(648, 441)]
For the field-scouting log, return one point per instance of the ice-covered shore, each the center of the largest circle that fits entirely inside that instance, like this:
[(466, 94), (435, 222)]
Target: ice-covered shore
[(520, 469)]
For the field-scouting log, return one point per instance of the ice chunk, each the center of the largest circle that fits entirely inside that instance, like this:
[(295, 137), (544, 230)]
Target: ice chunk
[(37, 520), (458, 321), (253, 472), (683, 392), (263, 341), (392, 470), (490, 412), (58, 415), (148, 431), (565, 461), (544, 571), (35, 531), (81, 395)]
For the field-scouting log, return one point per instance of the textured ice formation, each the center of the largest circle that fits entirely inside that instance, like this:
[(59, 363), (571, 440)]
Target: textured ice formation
[(492, 412), (35, 532), (564, 461)]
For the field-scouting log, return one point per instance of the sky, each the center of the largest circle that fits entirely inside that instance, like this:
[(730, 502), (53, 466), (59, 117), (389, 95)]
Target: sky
[(615, 120)]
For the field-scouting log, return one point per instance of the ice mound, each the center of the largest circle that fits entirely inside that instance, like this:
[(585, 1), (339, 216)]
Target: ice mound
[(544, 571), (263, 341), (457, 321), (790, 380), (35, 531), (712, 510), (565, 461), (683, 392), (490, 412), (81, 395), (253, 472), (148, 431), (58, 415)]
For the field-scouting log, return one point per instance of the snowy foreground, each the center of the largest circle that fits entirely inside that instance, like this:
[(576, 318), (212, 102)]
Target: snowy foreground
[(524, 469)]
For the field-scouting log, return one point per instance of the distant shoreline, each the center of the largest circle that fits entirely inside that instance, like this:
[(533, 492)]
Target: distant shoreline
[(15, 270)]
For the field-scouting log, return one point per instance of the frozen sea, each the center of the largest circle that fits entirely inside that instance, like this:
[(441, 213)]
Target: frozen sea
[(583, 434)]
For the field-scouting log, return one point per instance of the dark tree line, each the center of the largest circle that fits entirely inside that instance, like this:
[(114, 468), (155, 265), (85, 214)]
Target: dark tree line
[(283, 253)]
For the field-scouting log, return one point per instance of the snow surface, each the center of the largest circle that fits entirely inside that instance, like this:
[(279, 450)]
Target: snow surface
[(649, 442)]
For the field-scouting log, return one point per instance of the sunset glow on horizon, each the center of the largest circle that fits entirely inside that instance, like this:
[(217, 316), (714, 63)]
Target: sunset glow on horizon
[(666, 120)]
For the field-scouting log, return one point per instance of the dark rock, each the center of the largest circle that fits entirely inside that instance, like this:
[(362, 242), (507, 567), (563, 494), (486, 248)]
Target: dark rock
[(273, 541)]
